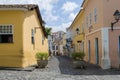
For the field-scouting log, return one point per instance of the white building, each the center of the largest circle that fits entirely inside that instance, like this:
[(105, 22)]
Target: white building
[(50, 42), (55, 43), (69, 38)]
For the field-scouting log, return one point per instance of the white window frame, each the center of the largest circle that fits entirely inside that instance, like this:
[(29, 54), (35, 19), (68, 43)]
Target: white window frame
[(87, 21), (7, 25), (82, 27), (33, 32), (43, 38), (90, 19), (95, 15), (32, 36), (8, 33)]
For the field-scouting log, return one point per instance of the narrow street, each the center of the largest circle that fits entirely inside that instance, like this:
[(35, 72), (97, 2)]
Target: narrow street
[(60, 68), (50, 39)]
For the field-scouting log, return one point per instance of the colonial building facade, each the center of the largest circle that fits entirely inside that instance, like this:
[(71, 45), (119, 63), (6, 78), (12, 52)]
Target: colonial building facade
[(22, 35), (56, 43), (101, 43)]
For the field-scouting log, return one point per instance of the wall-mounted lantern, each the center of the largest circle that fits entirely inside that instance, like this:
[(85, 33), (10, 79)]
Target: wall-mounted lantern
[(117, 18)]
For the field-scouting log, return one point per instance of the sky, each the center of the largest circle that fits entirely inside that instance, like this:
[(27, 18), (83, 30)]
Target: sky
[(58, 14)]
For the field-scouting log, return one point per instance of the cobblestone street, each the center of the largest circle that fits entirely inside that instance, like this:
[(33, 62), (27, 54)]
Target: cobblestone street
[(60, 68)]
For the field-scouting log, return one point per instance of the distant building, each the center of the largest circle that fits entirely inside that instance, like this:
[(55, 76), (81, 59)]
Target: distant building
[(77, 29), (50, 42), (55, 43), (69, 40)]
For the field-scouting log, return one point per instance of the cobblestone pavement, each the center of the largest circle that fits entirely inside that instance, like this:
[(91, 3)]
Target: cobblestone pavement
[(60, 68)]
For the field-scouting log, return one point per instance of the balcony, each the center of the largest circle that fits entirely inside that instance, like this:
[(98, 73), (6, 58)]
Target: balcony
[(79, 36)]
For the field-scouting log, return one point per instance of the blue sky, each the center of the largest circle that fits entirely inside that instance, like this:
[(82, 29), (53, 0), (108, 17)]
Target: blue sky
[(57, 14)]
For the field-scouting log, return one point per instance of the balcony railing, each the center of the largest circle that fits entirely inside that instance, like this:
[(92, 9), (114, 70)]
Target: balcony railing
[(80, 36)]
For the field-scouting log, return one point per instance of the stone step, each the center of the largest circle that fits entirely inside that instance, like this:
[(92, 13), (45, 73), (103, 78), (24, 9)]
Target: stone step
[(31, 68)]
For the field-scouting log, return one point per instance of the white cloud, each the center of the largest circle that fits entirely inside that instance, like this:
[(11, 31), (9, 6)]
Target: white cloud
[(58, 28), (46, 5), (49, 17), (69, 6), (47, 8), (13, 1), (72, 16)]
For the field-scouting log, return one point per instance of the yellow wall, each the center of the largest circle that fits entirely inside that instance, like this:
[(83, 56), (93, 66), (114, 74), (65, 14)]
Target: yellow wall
[(11, 53), (79, 46), (21, 52), (78, 23), (31, 22)]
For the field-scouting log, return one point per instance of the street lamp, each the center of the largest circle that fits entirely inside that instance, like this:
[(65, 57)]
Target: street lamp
[(117, 18), (117, 15)]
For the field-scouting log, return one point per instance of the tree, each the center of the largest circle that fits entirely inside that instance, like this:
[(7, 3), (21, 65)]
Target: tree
[(48, 31)]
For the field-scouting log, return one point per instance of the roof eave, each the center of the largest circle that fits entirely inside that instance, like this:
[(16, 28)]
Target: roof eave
[(40, 19)]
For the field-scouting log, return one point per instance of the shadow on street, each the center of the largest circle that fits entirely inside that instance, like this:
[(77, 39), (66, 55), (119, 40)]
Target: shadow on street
[(66, 67)]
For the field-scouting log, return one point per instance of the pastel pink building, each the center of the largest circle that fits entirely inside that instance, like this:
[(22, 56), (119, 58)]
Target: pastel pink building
[(101, 43)]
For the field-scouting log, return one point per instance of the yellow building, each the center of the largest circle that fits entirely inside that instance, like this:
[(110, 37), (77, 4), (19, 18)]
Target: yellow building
[(22, 35), (77, 28)]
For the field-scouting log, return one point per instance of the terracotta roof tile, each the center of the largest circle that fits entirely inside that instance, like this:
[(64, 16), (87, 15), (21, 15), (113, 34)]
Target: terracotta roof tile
[(26, 6)]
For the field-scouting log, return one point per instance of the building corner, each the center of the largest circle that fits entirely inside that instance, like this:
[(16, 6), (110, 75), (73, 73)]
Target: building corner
[(105, 49)]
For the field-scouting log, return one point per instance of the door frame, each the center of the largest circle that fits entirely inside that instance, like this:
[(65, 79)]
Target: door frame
[(97, 50), (89, 55), (119, 49)]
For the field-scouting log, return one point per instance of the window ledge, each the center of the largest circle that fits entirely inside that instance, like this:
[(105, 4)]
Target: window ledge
[(7, 43)]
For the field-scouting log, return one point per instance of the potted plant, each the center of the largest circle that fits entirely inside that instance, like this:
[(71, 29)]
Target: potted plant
[(42, 59), (78, 60)]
